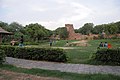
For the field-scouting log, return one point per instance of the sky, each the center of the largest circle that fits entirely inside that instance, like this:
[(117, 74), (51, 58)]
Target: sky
[(56, 13)]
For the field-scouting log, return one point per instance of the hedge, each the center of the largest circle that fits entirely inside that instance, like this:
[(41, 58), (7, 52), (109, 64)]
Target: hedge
[(30, 53), (108, 55), (2, 56)]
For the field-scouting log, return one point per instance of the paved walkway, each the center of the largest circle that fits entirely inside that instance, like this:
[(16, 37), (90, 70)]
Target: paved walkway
[(75, 68)]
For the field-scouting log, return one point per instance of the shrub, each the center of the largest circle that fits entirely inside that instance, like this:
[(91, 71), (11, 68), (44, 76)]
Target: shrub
[(47, 54), (108, 55), (2, 56), (9, 50)]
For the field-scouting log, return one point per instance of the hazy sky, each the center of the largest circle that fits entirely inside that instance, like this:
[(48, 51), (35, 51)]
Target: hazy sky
[(57, 13)]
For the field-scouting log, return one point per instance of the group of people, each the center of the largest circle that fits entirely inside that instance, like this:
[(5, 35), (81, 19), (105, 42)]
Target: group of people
[(107, 45)]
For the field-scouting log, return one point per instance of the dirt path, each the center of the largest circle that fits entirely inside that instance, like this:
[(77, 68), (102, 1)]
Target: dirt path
[(78, 43), (82, 41), (9, 75), (65, 47)]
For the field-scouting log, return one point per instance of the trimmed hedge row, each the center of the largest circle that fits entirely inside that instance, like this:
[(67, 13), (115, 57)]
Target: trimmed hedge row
[(2, 56), (108, 55), (47, 54)]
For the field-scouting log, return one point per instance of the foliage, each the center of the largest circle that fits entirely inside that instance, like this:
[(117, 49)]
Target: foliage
[(4, 25), (31, 32), (87, 28), (108, 55), (47, 54), (98, 29), (15, 27), (37, 32), (62, 32), (110, 28), (118, 26), (2, 56), (9, 50)]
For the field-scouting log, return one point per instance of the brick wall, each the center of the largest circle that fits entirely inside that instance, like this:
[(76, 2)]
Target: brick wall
[(71, 33)]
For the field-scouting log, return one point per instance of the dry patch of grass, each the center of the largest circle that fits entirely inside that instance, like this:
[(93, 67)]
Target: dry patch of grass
[(78, 43)]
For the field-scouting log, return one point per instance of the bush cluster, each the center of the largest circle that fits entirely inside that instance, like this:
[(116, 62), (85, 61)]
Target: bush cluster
[(47, 54), (108, 55), (2, 56)]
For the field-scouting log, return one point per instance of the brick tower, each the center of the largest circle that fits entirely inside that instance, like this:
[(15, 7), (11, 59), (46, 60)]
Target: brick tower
[(71, 33)]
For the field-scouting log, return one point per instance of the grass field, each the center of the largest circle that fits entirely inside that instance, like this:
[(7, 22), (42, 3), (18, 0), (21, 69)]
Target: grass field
[(58, 74), (81, 54)]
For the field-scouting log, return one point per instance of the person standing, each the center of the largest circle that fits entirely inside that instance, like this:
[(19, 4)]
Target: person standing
[(21, 41), (50, 42)]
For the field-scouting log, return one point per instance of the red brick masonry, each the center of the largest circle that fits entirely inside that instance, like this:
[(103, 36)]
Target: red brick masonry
[(71, 33)]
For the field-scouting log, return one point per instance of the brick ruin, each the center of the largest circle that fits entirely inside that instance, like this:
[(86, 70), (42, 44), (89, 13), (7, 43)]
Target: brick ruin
[(71, 33), (75, 36)]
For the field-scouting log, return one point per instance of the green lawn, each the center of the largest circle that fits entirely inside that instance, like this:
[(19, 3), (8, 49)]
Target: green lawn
[(76, 55), (82, 54), (58, 43), (61, 75)]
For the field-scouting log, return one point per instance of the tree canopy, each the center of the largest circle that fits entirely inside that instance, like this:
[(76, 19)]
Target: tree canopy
[(87, 28), (62, 32), (37, 31), (110, 28)]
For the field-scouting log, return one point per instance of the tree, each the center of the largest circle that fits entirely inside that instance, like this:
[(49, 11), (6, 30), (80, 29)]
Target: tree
[(87, 28), (77, 31), (98, 29), (4, 25), (118, 26), (112, 28), (36, 31), (15, 27), (62, 32)]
